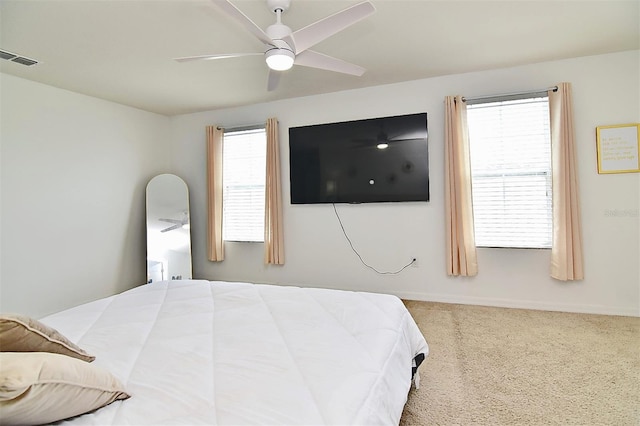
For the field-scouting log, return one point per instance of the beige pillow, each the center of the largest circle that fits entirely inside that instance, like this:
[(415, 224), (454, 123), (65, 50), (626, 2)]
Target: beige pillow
[(19, 333), (43, 387)]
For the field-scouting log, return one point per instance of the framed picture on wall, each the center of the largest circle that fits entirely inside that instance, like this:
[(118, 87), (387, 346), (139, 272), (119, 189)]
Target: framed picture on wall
[(618, 148)]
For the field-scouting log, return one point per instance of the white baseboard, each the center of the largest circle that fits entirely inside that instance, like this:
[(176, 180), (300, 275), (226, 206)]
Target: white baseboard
[(520, 304)]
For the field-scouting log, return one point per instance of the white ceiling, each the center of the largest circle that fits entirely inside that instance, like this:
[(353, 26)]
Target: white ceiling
[(122, 50)]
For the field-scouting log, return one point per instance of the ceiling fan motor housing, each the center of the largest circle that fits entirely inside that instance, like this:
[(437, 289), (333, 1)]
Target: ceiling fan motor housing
[(280, 48), (277, 32)]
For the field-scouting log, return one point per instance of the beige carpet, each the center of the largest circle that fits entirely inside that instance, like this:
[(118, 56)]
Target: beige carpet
[(495, 366)]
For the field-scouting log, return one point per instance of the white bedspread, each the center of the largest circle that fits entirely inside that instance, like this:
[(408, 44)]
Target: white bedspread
[(218, 353)]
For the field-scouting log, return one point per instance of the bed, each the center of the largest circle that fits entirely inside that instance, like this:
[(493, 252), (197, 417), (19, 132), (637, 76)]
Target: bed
[(221, 353)]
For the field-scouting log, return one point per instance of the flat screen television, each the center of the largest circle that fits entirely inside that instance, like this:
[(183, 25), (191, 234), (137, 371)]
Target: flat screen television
[(365, 161)]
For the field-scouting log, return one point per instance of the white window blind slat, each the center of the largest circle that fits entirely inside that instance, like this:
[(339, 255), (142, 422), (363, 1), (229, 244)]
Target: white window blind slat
[(244, 170), (510, 150)]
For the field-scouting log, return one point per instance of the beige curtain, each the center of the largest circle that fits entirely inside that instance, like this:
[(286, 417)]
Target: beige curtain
[(215, 244), (566, 250), (273, 232), (461, 246)]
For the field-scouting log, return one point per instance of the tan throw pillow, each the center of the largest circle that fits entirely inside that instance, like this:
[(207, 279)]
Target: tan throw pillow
[(19, 333), (43, 387)]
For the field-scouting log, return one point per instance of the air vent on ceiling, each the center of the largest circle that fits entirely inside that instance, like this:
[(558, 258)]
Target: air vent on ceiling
[(16, 58), (7, 55)]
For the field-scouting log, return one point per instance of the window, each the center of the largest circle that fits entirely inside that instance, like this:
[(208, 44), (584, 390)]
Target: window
[(244, 170), (510, 149)]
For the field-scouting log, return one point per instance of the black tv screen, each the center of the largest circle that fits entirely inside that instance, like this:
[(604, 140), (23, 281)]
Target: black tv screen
[(365, 161)]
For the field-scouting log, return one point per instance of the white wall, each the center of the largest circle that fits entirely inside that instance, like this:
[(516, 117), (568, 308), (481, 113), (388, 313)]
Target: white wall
[(74, 170), (606, 91)]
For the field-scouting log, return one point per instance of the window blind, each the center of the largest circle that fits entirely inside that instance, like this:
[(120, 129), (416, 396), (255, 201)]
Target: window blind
[(510, 149), (244, 170)]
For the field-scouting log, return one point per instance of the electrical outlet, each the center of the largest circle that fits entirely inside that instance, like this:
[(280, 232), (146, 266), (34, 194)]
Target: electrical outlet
[(414, 262)]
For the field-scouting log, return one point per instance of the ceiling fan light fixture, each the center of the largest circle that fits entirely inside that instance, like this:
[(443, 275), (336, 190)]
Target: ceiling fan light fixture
[(279, 59), (382, 145)]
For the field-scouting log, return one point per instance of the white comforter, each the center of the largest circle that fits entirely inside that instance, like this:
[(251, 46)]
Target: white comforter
[(218, 353)]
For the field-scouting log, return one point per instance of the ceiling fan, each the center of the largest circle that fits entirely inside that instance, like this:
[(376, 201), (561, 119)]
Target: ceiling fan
[(383, 141), (285, 48), (177, 223)]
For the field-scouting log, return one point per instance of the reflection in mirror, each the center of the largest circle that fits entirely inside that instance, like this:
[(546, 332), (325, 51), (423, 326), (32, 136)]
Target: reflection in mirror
[(168, 229)]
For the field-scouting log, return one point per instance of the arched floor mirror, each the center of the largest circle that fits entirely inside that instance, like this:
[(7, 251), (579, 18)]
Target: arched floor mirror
[(168, 229)]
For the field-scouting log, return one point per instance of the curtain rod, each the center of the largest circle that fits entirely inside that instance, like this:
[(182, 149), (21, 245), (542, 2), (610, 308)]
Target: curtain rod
[(514, 95), (243, 128)]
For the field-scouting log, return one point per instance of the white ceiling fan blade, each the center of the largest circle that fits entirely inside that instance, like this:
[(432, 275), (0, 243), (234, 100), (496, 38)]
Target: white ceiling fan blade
[(171, 228), (310, 58), (170, 220), (210, 57), (310, 35), (273, 80), (237, 14)]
